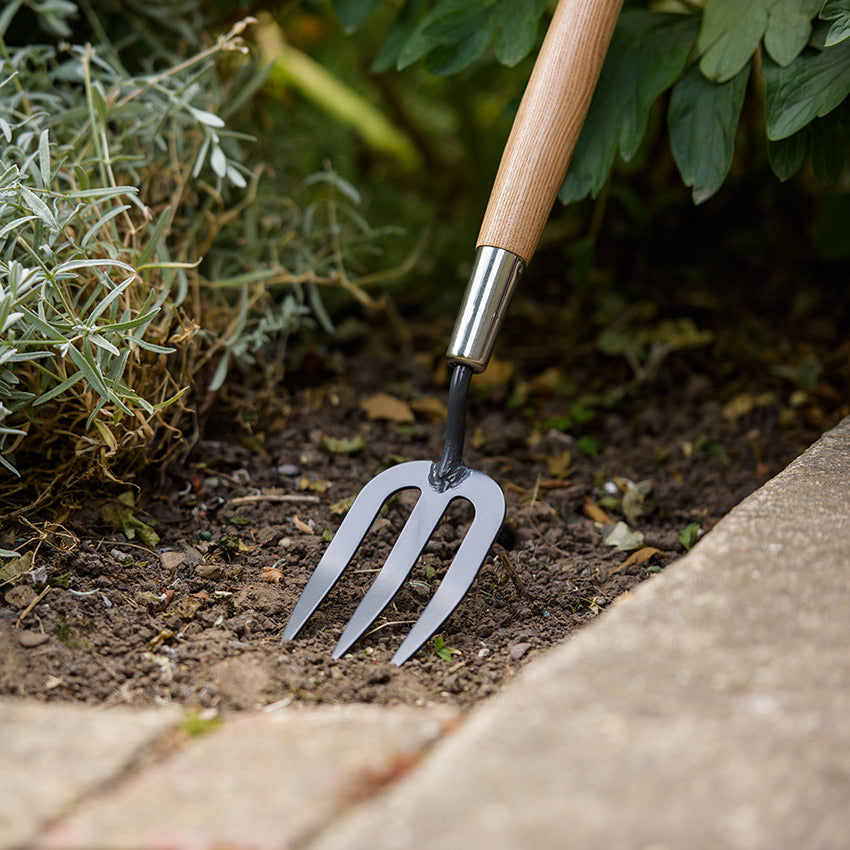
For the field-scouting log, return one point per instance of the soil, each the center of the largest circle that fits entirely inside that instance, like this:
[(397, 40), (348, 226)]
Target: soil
[(196, 617)]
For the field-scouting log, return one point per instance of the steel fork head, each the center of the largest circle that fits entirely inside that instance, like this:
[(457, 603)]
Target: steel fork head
[(488, 502)]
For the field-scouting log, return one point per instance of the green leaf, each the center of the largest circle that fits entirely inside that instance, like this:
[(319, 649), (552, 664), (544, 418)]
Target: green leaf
[(399, 33), (828, 146), (451, 58), (837, 11), (352, 14), (689, 535), (647, 54), (703, 118), (786, 155), (450, 36), (789, 26), (730, 33), (810, 87), (516, 29)]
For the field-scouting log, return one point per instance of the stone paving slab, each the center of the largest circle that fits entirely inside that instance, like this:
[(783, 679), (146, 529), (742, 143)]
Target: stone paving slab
[(262, 780), (709, 709), (53, 756)]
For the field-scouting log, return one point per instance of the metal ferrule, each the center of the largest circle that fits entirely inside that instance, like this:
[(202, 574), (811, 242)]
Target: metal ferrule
[(492, 281)]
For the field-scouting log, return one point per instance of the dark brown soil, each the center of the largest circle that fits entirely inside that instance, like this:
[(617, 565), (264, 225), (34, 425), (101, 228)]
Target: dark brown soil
[(196, 617)]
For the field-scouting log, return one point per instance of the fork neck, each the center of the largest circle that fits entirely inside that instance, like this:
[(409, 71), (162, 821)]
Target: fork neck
[(450, 470)]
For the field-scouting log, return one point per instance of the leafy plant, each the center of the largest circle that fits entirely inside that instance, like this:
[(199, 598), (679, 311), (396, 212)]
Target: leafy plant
[(441, 650), (689, 535), (140, 256), (702, 54)]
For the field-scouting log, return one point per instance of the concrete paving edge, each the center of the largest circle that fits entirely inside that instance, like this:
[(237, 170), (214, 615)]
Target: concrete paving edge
[(55, 756), (709, 709)]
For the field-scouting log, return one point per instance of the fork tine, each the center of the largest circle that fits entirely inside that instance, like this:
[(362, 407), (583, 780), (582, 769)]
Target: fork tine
[(351, 532), (489, 503), (419, 527)]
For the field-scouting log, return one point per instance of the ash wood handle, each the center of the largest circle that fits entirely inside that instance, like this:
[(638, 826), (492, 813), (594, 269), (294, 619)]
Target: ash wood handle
[(547, 125)]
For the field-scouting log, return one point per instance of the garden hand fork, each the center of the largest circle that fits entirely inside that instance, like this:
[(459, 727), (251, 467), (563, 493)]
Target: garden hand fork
[(532, 169)]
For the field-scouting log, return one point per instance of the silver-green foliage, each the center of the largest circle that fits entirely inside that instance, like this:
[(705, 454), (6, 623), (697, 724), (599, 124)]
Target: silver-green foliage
[(81, 262), (130, 225)]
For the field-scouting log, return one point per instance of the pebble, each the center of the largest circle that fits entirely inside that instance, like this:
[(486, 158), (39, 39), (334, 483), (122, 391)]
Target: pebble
[(20, 596), (290, 470), (29, 639), (209, 571), (519, 649)]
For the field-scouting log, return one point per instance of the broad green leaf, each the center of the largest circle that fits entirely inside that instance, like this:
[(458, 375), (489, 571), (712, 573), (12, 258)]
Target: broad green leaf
[(837, 11), (789, 26), (703, 118), (731, 31), (401, 30), (828, 146), (352, 14), (810, 87), (449, 59), (647, 54), (786, 155), (453, 32), (516, 29)]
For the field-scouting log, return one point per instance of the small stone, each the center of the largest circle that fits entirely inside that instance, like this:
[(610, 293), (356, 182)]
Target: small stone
[(519, 650), (209, 571), (28, 639), (20, 596), (290, 470)]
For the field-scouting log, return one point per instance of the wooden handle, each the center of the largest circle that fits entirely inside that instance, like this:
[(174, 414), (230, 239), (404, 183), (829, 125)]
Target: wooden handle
[(547, 124)]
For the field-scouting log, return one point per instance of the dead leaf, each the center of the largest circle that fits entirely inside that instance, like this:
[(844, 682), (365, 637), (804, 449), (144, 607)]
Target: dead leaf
[(623, 538), (302, 526), (559, 465), (315, 485), (16, 567), (430, 407), (187, 607), (345, 446), (594, 512), (479, 438), (498, 373), (271, 574), (342, 506), (744, 403), (211, 572), (171, 560), (386, 407), (638, 557)]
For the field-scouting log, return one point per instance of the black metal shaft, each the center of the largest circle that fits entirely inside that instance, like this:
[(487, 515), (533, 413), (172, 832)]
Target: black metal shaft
[(450, 469)]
